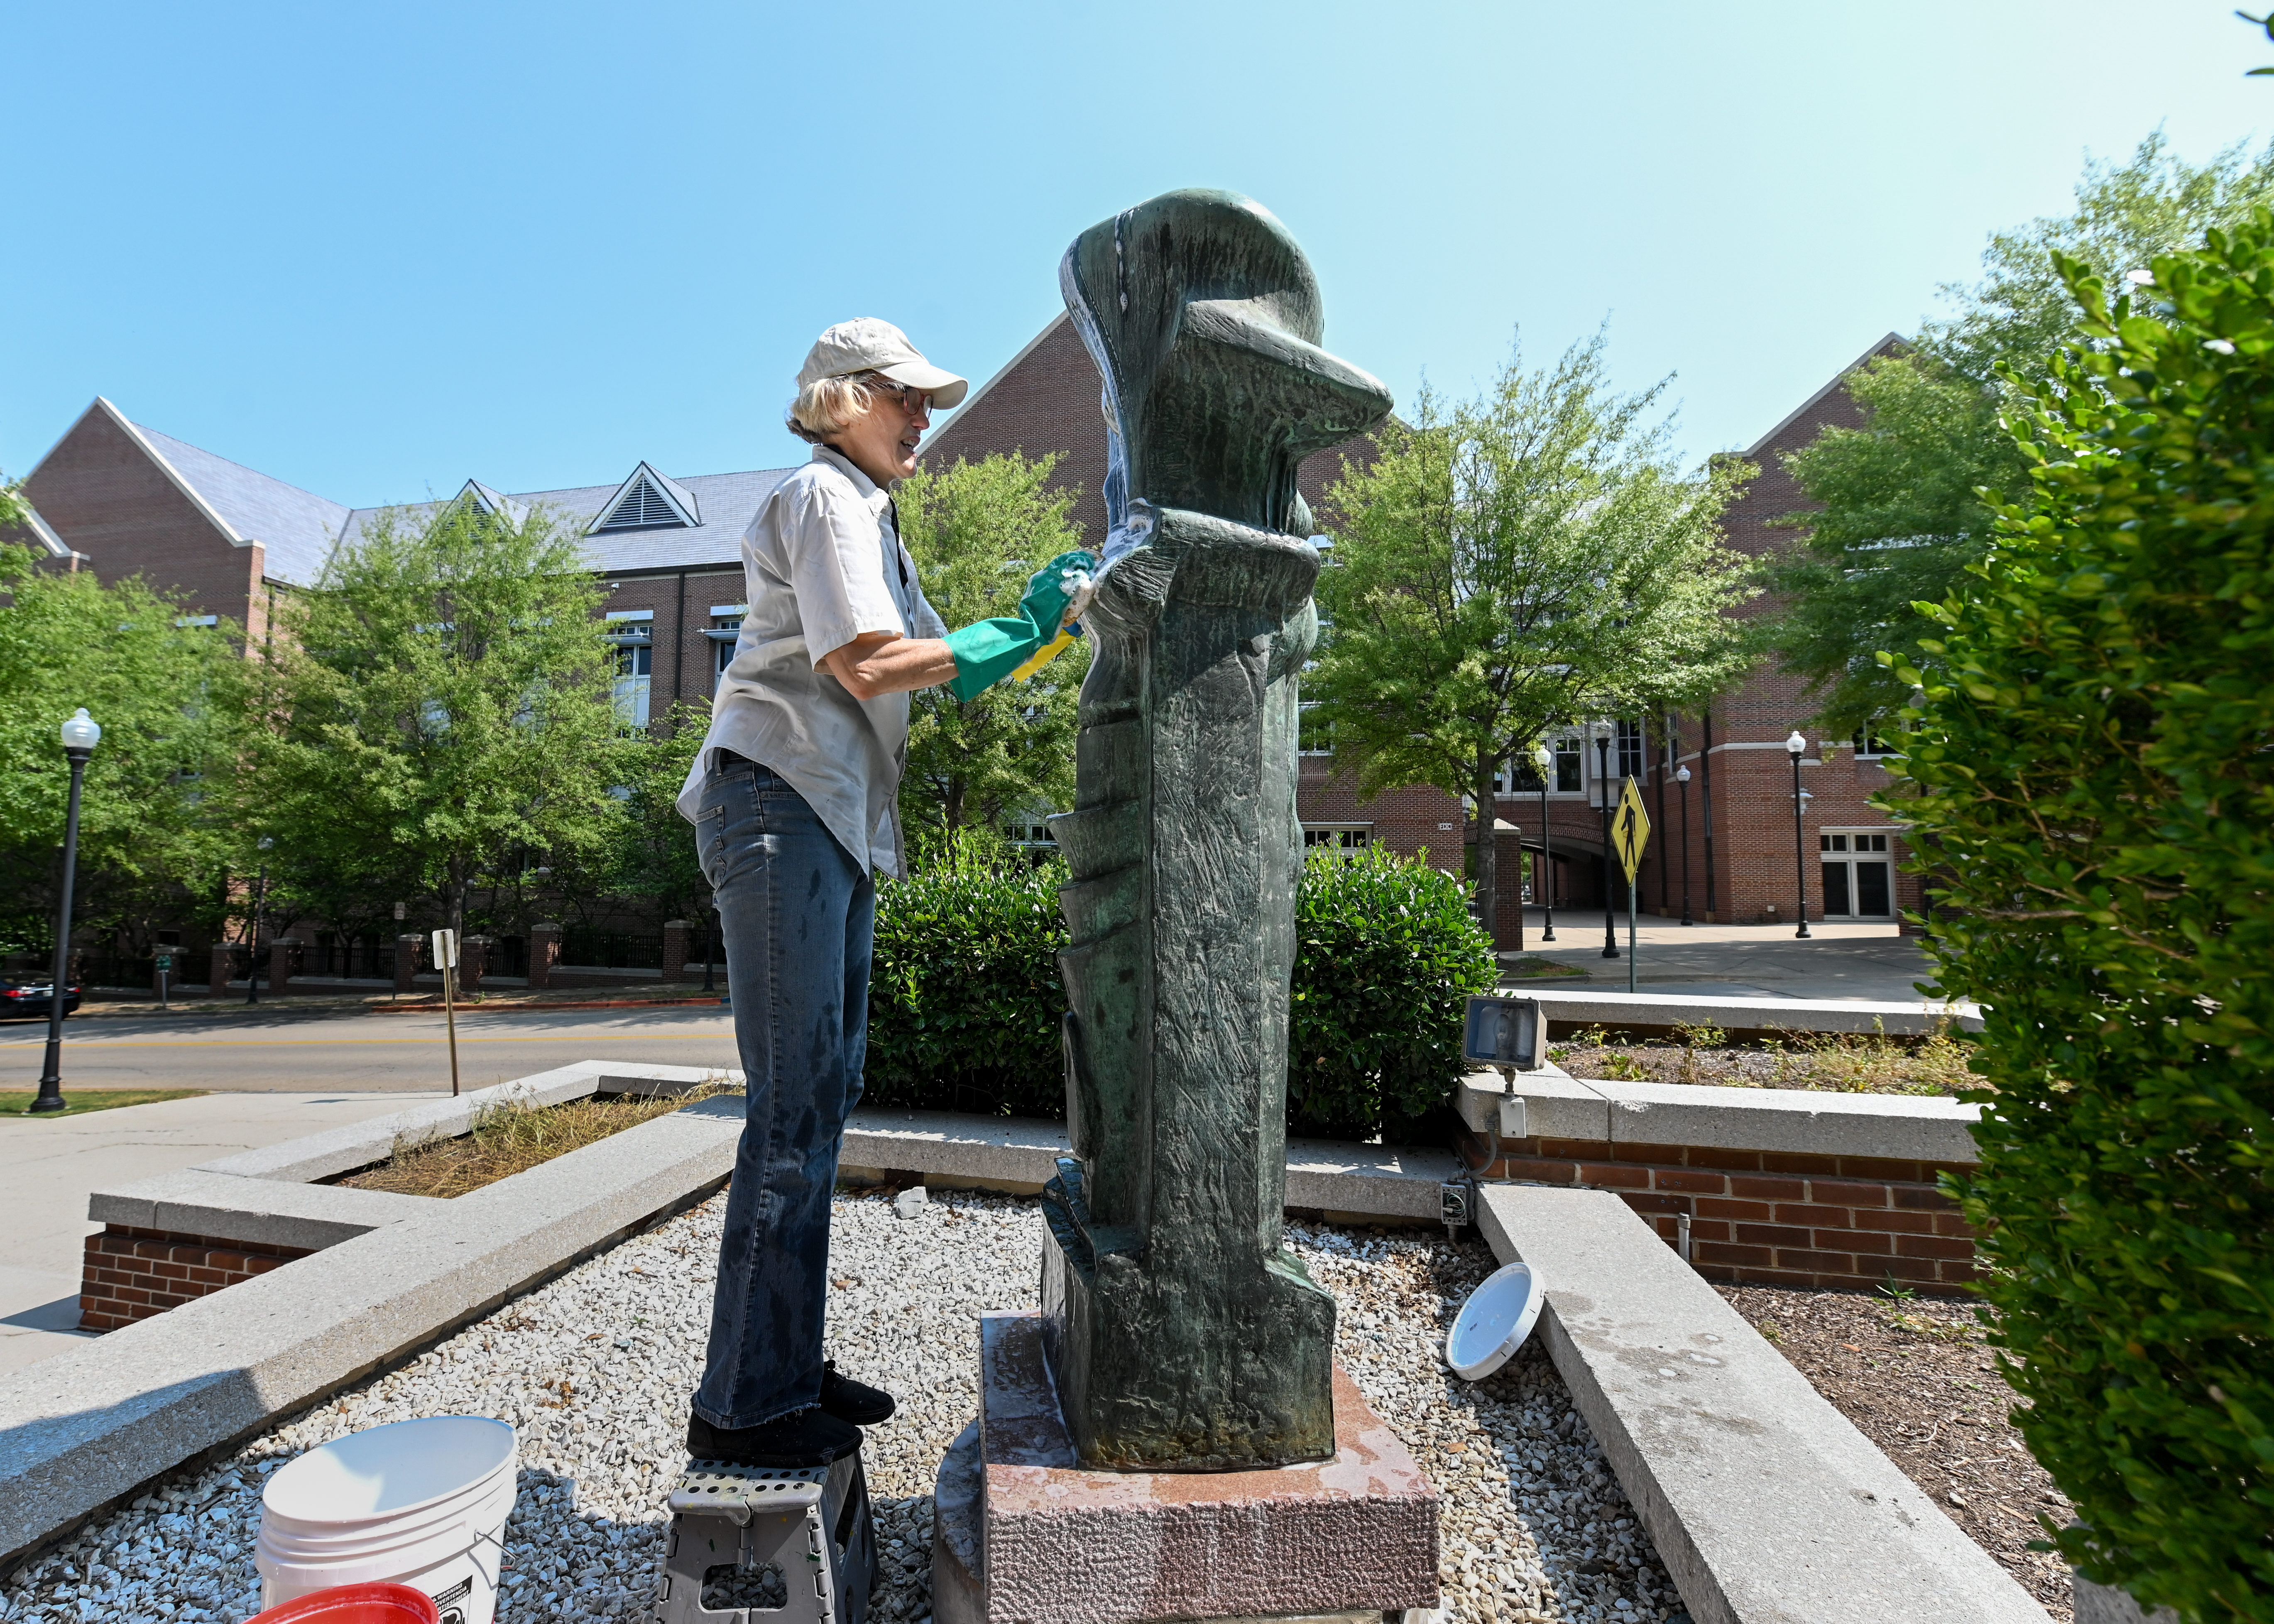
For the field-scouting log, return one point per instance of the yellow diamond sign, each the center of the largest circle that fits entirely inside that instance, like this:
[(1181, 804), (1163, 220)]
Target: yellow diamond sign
[(1630, 829)]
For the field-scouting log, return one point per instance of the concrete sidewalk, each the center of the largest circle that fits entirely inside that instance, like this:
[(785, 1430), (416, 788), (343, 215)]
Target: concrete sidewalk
[(48, 1167), (1834, 961)]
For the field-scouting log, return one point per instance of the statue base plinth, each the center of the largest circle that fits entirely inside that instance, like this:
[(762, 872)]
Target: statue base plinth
[(1023, 1536)]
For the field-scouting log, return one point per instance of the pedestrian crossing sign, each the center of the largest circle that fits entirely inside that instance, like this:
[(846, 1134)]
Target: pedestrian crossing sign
[(1630, 829)]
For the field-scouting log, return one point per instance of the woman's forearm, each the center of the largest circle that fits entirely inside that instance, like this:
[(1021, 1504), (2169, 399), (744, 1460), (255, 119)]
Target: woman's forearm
[(877, 663)]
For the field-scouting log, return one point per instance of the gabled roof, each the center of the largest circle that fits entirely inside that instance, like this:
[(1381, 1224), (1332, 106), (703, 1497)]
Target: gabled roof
[(44, 533), (1889, 345), (725, 503), (647, 501), (295, 527), (494, 503)]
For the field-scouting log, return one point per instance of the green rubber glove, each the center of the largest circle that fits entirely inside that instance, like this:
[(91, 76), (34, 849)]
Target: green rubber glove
[(991, 650)]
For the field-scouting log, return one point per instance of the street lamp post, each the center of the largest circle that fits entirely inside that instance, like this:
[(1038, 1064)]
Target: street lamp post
[(1795, 747), (80, 735), (1602, 732), (252, 948), (1544, 759), (1682, 777)]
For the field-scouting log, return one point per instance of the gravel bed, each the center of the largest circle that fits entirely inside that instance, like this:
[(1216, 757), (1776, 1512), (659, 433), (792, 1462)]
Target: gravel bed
[(1915, 1377), (594, 1370)]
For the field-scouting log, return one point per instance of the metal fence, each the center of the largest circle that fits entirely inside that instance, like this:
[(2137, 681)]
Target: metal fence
[(610, 949)]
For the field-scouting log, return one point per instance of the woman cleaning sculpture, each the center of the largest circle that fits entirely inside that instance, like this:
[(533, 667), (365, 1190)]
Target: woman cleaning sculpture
[(794, 799)]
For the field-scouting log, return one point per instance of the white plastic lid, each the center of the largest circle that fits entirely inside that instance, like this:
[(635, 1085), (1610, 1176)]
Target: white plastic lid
[(1494, 1322)]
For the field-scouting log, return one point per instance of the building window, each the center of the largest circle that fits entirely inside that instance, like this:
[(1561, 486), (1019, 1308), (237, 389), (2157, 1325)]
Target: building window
[(1630, 752), (635, 668), (722, 649), (1518, 776), (1343, 839), (1870, 742), (1314, 736), (1570, 766), (1031, 832)]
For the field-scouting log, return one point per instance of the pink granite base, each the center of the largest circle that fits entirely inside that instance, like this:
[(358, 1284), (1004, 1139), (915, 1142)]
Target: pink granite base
[(1025, 1537)]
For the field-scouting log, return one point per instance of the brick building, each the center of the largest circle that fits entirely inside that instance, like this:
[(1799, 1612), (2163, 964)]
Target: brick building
[(1740, 851), (122, 499)]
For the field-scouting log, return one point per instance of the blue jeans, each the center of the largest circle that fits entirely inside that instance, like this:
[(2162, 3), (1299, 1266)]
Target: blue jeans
[(798, 916)]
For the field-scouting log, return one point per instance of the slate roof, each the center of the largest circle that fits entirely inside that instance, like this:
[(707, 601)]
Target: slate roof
[(728, 503), (299, 528), (296, 528)]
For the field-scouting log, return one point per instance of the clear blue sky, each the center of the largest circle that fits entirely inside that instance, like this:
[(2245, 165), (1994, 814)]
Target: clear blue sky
[(377, 250)]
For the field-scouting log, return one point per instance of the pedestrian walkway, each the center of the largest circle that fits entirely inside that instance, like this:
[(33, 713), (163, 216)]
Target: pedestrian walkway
[(48, 1167), (1834, 961)]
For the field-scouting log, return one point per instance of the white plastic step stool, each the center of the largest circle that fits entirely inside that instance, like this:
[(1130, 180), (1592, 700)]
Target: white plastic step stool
[(752, 1545)]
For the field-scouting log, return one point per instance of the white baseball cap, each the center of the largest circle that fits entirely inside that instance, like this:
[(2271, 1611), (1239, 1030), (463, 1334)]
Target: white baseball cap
[(868, 345)]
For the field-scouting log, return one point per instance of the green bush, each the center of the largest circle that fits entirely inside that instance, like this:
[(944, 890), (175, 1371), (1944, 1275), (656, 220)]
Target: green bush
[(2095, 777), (965, 1000), (1386, 956)]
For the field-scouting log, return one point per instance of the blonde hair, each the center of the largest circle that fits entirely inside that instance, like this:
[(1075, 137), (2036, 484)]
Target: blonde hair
[(828, 406)]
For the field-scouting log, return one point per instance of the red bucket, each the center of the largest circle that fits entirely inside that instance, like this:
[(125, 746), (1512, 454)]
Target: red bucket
[(354, 1604)]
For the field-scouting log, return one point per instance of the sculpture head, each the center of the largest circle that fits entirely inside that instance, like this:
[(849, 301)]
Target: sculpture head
[(1203, 318)]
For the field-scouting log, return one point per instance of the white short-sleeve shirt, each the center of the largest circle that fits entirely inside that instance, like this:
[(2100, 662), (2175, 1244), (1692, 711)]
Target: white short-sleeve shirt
[(822, 564)]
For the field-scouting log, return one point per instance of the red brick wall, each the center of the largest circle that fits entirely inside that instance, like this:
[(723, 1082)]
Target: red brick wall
[(1766, 1217), (101, 493), (132, 1274)]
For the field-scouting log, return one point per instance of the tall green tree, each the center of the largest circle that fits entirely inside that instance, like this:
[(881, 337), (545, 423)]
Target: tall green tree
[(1903, 515), (438, 704), (977, 530), (1506, 564), (154, 848)]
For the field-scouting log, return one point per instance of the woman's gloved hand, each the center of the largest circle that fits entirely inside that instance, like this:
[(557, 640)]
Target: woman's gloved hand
[(1022, 643)]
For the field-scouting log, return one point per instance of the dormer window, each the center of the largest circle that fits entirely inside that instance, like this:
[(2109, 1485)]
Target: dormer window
[(496, 504), (647, 501)]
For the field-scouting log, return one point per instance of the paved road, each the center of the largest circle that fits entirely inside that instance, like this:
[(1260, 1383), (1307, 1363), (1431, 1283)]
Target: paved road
[(280, 1049)]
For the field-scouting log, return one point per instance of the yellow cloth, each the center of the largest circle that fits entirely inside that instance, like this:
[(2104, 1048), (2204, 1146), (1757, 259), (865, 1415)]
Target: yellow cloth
[(1044, 656)]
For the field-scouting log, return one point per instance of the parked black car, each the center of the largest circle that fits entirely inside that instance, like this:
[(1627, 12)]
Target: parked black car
[(27, 996)]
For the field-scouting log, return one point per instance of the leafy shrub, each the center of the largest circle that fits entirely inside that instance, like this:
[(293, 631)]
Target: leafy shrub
[(965, 1000), (1386, 956), (2095, 776)]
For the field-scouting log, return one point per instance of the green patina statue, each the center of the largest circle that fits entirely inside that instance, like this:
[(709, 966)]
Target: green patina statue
[(1183, 1337)]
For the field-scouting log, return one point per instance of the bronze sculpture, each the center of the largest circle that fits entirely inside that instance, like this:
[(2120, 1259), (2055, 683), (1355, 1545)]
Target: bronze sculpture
[(1182, 1336)]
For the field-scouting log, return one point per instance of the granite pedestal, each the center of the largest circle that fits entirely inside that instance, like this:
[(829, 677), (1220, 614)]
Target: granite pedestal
[(1023, 1536)]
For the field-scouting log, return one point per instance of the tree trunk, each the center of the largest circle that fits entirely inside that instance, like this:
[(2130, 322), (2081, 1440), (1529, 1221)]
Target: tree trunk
[(951, 804)]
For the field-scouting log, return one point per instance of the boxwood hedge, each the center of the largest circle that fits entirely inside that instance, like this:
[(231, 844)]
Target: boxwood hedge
[(965, 999), (2094, 770)]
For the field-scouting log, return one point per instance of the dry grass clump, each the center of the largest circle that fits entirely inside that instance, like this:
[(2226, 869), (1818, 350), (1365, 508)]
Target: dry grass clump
[(1833, 1062), (513, 1136)]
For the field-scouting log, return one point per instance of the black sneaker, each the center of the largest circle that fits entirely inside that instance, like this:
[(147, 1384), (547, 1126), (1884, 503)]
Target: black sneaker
[(804, 1438), (854, 1400)]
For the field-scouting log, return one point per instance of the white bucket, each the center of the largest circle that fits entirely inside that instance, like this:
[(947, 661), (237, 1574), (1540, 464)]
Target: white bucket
[(421, 1503)]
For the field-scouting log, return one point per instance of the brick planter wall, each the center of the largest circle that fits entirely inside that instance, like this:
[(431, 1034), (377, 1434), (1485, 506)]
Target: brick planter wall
[(1767, 1217), (131, 1273)]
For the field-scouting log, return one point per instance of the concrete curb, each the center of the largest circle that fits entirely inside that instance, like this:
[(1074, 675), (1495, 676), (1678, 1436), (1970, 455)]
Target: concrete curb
[(1765, 1503), (1663, 1011), (1364, 1182), (1556, 1106)]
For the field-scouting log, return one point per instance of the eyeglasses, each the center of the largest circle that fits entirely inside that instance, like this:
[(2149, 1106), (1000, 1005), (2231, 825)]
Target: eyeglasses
[(914, 401)]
